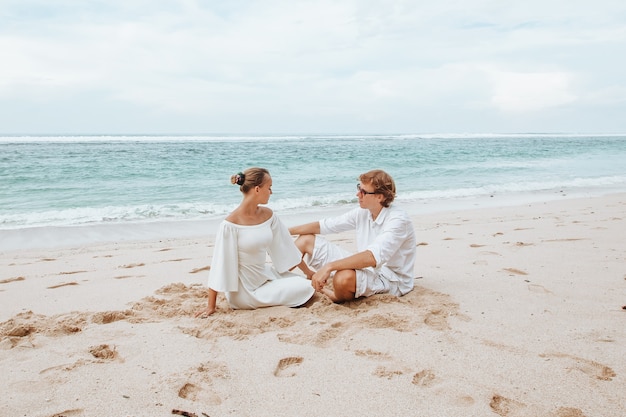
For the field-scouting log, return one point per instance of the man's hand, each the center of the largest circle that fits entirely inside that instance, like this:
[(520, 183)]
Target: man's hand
[(318, 280)]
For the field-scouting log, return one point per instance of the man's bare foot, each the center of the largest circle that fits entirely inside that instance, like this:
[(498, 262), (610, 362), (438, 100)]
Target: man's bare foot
[(330, 294)]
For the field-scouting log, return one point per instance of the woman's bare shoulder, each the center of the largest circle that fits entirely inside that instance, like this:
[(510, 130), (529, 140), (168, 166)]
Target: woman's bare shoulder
[(262, 215), (233, 217), (265, 213)]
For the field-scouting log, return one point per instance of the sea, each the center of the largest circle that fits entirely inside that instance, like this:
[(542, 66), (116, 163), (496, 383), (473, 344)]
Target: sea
[(74, 181)]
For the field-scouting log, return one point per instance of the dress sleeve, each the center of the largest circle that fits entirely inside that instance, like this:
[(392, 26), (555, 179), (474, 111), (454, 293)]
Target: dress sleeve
[(283, 251), (224, 273)]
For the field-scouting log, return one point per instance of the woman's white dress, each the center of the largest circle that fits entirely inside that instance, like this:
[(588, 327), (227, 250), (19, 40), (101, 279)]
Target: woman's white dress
[(240, 270)]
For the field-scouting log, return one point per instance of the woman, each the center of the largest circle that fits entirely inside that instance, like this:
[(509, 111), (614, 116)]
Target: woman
[(244, 239)]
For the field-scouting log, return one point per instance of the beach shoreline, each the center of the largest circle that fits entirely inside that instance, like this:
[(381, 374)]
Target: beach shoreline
[(516, 312)]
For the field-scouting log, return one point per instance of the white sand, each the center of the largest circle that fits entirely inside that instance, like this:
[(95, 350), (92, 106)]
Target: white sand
[(517, 312)]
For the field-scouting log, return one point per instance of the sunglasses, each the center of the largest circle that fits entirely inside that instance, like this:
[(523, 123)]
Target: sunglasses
[(362, 191)]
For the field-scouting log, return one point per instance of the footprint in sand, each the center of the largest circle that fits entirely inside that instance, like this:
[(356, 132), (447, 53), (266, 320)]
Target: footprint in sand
[(504, 406), (515, 271), (568, 412), (69, 413), (127, 266), (437, 319), (129, 276), (282, 369), (177, 260), (425, 378), (383, 372), (104, 352), (204, 268), (592, 368), (71, 272), (199, 384), (6, 281), (65, 284), (372, 354), (507, 407), (189, 391)]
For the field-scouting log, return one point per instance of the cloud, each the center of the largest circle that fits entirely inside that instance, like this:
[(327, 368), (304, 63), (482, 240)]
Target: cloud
[(321, 64), (531, 92)]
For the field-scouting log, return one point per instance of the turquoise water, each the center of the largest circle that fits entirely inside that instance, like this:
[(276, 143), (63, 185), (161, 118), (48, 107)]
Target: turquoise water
[(72, 180)]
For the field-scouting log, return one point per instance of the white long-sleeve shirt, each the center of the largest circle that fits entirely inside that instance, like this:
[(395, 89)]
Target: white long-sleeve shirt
[(390, 238)]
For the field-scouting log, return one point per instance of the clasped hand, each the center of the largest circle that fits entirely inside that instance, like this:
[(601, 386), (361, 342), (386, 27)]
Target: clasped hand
[(319, 279)]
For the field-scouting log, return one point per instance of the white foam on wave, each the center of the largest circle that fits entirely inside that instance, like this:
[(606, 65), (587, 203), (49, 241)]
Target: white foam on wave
[(610, 182), (155, 212), (286, 137), (203, 211)]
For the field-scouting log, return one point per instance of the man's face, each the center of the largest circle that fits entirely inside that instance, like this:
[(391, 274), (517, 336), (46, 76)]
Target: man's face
[(368, 198)]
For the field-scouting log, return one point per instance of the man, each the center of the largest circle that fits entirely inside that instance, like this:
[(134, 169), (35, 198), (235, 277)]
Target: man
[(385, 241)]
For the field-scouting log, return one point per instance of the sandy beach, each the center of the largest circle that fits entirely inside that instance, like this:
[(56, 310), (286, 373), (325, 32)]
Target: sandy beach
[(516, 311)]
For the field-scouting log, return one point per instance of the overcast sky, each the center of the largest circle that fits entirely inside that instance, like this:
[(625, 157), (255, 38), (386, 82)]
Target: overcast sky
[(336, 66)]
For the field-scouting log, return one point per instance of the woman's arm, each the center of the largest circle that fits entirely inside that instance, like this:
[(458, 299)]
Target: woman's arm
[(305, 268)]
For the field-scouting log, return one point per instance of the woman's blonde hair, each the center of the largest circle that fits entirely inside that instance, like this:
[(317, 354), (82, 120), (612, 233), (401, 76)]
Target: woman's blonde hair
[(382, 183), (250, 178)]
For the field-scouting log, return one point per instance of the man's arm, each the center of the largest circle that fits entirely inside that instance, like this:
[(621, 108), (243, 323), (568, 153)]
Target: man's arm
[(359, 260), (306, 229)]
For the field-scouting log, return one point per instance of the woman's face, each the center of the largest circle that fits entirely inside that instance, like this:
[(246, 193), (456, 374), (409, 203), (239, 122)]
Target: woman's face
[(265, 190)]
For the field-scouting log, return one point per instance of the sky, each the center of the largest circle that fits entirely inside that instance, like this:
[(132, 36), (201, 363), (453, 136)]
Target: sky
[(312, 67)]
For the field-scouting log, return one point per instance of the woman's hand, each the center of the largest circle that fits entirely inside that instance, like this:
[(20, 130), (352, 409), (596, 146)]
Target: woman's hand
[(211, 306), (206, 312)]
